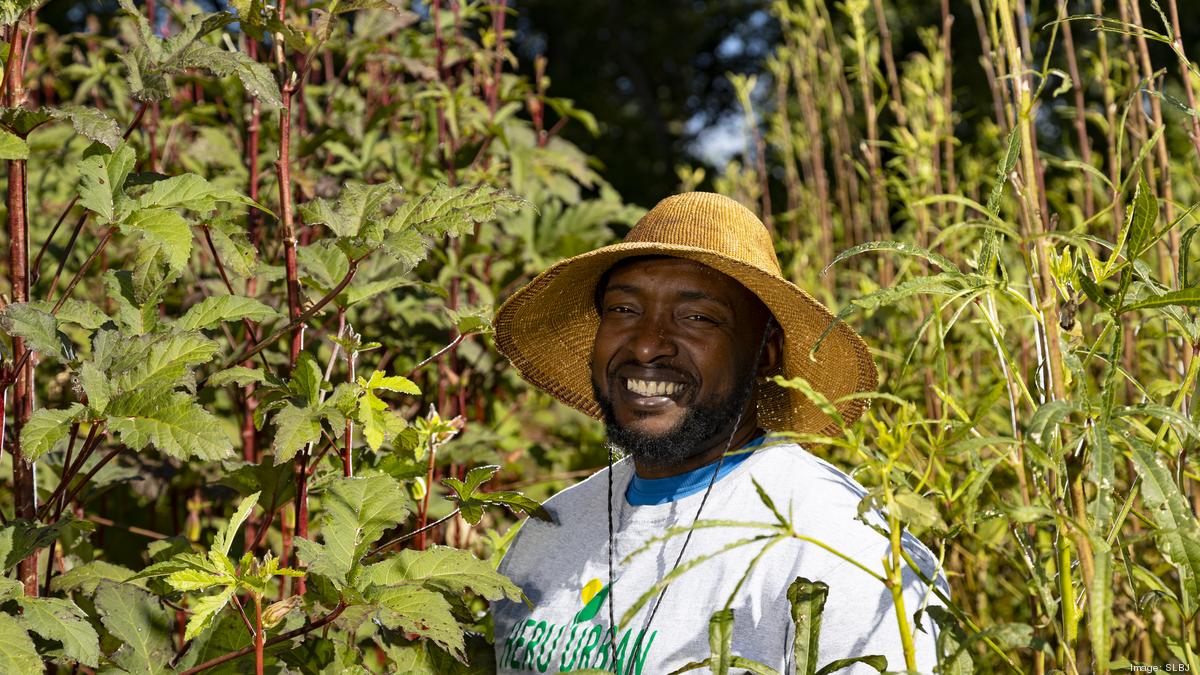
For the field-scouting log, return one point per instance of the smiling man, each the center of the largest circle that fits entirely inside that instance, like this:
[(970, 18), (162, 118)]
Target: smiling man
[(672, 338)]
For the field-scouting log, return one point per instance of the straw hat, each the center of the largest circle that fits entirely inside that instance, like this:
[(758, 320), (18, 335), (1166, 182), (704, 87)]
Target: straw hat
[(547, 328)]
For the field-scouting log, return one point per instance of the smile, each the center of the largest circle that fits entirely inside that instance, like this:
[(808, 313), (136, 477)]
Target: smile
[(653, 387)]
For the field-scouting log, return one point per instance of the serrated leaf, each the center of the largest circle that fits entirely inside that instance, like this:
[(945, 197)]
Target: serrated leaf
[(161, 360), (358, 206), (444, 569), (140, 624), (205, 610), (239, 375), (1143, 213), (807, 599), (396, 383), (1188, 297), (224, 539), (295, 427), (1176, 529), (89, 123), (256, 77), (20, 538), (79, 312), (47, 427), (358, 510), (407, 247), (39, 329), (17, 653), (178, 427), (195, 580), (189, 191), (59, 619), (212, 311), (306, 379), (452, 211), (86, 577), (416, 610), (166, 229), (471, 501), (905, 248), (12, 146), (102, 181)]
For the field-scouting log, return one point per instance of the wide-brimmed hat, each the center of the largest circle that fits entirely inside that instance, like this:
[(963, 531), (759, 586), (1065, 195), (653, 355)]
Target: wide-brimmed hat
[(548, 327)]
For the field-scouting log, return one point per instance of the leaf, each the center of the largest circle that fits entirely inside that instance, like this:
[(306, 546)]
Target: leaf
[(11, 10), (87, 577), (17, 653), (471, 501), (444, 569), (39, 329), (161, 360), (395, 383), (877, 662), (191, 579), (79, 312), (205, 610), (189, 191), (1187, 297), (256, 77), (224, 539), (357, 206), (917, 512), (20, 538), (140, 624), (306, 379), (212, 311), (452, 211), (1176, 530), (47, 427), (89, 123), (424, 612), (358, 510), (12, 146), (818, 399), (807, 600), (275, 482), (937, 259), (102, 181), (720, 640), (168, 230), (295, 427), (239, 375), (178, 427), (59, 619), (1140, 221), (1046, 419)]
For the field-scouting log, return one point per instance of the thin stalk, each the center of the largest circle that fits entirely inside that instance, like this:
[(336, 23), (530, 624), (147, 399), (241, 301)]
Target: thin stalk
[(258, 636), (305, 629)]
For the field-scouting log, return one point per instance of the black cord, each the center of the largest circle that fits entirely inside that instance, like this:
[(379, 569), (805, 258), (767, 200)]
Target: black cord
[(612, 621)]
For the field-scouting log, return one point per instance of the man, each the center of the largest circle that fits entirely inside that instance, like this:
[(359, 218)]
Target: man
[(671, 337)]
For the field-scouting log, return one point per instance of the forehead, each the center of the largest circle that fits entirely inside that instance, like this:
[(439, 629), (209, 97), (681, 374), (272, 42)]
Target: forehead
[(676, 273)]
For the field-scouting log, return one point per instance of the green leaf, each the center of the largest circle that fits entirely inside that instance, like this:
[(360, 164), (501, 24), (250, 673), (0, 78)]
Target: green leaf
[(17, 653), (357, 206), (212, 311), (452, 211), (275, 482), (445, 569), (140, 624), (471, 501), (38, 328), (161, 360), (177, 427), (720, 640), (79, 312), (102, 181), (358, 510), (96, 386), (807, 600), (59, 619), (917, 512), (189, 191), (86, 577), (12, 146), (877, 662), (224, 539), (166, 229), (295, 428), (416, 610), (89, 123), (20, 538), (47, 427), (407, 247), (403, 385), (1140, 222), (239, 375), (205, 610), (905, 248), (1176, 530), (1187, 297), (306, 379), (256, 77)]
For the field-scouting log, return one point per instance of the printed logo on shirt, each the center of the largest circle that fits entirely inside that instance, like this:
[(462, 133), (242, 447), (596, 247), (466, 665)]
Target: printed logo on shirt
[(541, 646)]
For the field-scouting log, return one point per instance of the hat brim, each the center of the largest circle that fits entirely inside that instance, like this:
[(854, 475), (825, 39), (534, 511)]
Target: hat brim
[(548, 327)]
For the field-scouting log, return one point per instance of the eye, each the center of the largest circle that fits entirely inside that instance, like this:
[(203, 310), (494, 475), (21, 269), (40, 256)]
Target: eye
[(700, 318)]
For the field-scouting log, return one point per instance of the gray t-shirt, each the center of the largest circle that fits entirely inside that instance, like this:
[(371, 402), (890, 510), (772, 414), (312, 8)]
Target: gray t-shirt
[(563, 569)]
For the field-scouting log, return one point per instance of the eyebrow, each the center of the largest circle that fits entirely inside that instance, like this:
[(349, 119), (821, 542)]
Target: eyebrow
[(683, 295)]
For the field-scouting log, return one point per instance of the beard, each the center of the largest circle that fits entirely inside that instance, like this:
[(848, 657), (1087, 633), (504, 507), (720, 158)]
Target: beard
[(691, 436)]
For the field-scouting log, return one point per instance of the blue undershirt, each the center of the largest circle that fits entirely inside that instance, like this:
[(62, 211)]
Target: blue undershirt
[(650, 491)]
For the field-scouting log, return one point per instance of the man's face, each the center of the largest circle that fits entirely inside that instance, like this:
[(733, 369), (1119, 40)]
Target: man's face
[(674, 362)]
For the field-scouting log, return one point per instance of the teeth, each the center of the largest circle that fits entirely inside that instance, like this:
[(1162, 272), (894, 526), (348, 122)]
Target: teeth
[(653, 387)]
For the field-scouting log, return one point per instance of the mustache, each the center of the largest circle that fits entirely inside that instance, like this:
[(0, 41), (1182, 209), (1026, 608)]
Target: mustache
[(615, 370)]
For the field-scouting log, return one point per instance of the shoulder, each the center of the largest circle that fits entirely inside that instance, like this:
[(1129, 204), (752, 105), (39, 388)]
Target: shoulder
[(787, 471)]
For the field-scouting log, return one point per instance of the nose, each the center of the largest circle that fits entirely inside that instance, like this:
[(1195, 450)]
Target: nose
[(651, 339)]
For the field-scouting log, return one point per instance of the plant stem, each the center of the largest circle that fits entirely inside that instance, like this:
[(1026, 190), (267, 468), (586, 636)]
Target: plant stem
[(258, 636), (306, 628)]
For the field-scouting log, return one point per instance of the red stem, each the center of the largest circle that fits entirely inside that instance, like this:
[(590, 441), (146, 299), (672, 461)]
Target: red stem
[(306, 628), (258, 636)]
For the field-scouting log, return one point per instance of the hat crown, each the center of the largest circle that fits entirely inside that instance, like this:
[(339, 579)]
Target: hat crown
[(711, 222)]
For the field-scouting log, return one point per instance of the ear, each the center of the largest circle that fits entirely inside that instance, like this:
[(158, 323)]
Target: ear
[(772, 356)]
